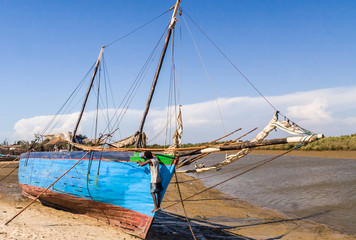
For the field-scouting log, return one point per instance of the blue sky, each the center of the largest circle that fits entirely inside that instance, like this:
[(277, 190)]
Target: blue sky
[(286, 48)]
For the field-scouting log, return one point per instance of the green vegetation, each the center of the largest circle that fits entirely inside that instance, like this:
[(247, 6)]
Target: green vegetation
[(345, 143)]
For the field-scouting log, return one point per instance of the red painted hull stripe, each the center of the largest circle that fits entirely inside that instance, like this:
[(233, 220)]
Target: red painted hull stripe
[(129, 221)]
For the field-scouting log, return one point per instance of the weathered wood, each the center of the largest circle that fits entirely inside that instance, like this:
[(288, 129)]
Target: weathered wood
[(111, 187), (224, 136), (254, 144), (235, 147), (158, 70), (87, 94), (129, 221), (44, 190)]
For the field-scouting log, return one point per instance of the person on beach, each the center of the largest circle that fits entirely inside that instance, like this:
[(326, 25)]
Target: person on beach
[(156, 185)]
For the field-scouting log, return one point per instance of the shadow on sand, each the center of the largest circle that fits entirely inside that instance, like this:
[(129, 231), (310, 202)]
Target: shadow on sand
[(172, 226)]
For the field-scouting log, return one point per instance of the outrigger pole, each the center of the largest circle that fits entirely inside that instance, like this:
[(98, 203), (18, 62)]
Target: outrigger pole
[(308, 138), (169, 32), (87, 95)]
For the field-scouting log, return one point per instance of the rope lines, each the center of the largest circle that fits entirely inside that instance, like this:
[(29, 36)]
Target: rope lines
[(228, 59), (97, 105), (59, 114), (96, 182), (177, 89), (172, 98), (134, 87), (206, 73), (136, 29), (65, 108), (224, 173), (259, 164), (46, 189), (108, 85), (241, 73), (114, 121), (182, 202), (188, 161), (9, 163), (13, 170)]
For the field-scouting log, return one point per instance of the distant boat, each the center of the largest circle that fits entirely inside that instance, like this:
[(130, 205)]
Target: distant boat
[(7, 157), (106, 183)]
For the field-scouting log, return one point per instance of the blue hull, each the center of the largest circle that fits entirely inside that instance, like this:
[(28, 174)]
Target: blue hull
[(109, 178)]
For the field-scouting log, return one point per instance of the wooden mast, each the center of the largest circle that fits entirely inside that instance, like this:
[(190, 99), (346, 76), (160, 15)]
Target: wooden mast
[(87, 94), (169, 32)]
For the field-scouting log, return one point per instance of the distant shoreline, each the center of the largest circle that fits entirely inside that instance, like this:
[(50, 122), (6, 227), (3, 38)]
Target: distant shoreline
[(322, 154)]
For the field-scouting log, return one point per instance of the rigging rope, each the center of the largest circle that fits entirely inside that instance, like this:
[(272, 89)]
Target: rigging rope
[(187, 161), (9, 163), (108, 84), (253, 86), (46, 189), (246, 171), (100, 102), (185, 212), (206, 74), (9, 173), (176, 94), (74, 93), (228, 59), (97, 105), (224, 173), (181, 57), (95, 182), (71, 98), (129, 33), (171, 98), (134, 87)]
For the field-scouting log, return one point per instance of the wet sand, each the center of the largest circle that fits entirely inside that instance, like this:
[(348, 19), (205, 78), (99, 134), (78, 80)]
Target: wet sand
[(213, 215)]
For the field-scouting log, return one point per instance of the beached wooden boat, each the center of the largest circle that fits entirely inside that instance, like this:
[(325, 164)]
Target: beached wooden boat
[(7, 157), (106, 185), (106, 182)]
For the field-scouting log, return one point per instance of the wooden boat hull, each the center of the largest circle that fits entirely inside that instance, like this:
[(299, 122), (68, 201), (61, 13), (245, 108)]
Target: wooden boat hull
[(7, 157), (106, 185)]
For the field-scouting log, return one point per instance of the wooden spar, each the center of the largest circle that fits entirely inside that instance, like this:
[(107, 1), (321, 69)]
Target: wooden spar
[(87, 95), (205, 154), (224, 136), (186, 161), (235, 140), (169, 32), (252, 145), (235, 147)]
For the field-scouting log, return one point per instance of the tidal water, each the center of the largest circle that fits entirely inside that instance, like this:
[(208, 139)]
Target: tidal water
[(318, 189)]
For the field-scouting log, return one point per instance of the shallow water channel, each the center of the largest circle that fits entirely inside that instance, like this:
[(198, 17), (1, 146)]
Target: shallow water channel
[(318, 189)]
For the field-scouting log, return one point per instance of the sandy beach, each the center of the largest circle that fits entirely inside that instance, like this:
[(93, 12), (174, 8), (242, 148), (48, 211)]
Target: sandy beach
[(213, 215)]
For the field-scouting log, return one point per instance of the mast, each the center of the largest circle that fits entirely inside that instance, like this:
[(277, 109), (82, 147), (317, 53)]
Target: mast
[(87, 94), (169, 32)]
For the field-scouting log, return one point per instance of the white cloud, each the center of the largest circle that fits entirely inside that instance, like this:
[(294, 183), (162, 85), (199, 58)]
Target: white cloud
[(328, 111), (316, 111)]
